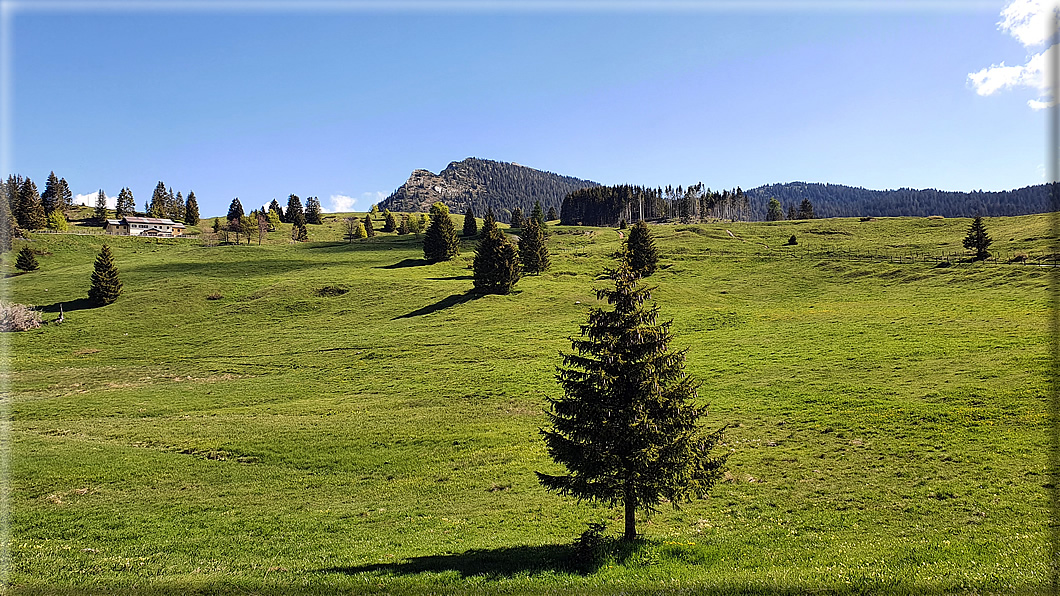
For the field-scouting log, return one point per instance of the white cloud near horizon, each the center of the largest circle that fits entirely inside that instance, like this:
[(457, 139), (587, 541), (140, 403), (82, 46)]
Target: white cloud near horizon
[(1031, 23), (89, 200), (345, 204)]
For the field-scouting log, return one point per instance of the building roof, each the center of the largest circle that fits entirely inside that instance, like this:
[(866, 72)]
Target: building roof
[(153, 221)]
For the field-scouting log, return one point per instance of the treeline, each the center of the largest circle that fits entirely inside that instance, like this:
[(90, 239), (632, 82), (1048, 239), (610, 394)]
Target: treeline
[(482, 184), (836, 200), (610, 205)]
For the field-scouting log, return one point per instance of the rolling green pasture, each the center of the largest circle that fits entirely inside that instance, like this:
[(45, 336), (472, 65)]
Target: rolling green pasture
[(226, 426)]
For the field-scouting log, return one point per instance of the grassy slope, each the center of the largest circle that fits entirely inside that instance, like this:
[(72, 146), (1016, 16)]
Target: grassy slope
[(889, 422)]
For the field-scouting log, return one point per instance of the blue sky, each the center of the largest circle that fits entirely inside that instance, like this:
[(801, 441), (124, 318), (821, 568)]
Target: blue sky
[(343, 100)]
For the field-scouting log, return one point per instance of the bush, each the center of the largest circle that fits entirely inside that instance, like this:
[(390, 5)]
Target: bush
[(26, 261), (328, 291), (18, 317), (792, 241)]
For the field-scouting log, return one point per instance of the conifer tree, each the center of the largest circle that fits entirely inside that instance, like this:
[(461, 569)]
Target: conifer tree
[(369, 228), (496, 265), (641, 255), (415, 223), (792, 213), (191, 210), (177, 211), (626, 428), (275, 206), (805, 210), (26, 260), (126, 204), (106, 285), (50, 197), (159, 199), (274, 220), (470, 225), (299, 233), (533, 252), (312, 211), (389, 222), (30, 212), (235, 217), (360, 232), (65, 196), (440, 242), (538, 214), (518, 220), (404, 228), (294, 212), (552, 215), (775, 212), (977, 239), (7, 225), (101, 208)]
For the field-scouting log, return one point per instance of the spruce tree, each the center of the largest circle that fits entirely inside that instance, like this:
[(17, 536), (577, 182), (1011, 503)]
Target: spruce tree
[(178, 207), (106, 286), (496, 265), (389, 222), (775, 212), (312, 211), (235, 217), (191, 210), (977, 239), (159, 199), (50, 197), (792, 214), (440, 242), (126, 204), (294, 212), (299, 233), (518, 220), (65, 196), (369, 229), (552, 215), (537, 213), (30, 212), (533, 252), (275, 206), (806, 210), (626, 428), (101, 208), (7, 226), (470, 225), (641, 255), (26, 261), (404, 228)]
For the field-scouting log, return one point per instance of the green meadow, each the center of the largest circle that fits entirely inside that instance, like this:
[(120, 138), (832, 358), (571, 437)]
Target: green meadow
[(344, 418)]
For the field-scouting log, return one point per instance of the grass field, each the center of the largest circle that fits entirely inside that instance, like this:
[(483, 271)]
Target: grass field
[(229, 425)]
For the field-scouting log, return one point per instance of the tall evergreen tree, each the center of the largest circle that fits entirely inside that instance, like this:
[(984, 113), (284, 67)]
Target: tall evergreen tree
[(235, 218), (626, 428), (64, 195), (30, 212), (977, 239), (159, 201), (404, 227), (126, 204), (792, 213), (178, 207), (7, 225), (470, 225), (389, 222), (640, 255), (552, 215), (518, 220), (299, 233), (538, 214), (26, 260), (191, 209), (440, 242), (312, 211), (50, 197), (369, 228), (775, 212), (805, 210), (106, 285), (101, 208), (275, 206), (294, 212), (496, 265), (533, 251)]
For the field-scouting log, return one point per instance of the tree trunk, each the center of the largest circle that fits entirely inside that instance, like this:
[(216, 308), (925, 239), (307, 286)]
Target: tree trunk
[(631, 518)]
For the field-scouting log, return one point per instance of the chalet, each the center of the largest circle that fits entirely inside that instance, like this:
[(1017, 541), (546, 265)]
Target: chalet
[(144, 226)]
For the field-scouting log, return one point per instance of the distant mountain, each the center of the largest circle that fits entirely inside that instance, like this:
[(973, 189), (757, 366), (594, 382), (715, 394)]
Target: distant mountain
[(483, 183), (836, 200)]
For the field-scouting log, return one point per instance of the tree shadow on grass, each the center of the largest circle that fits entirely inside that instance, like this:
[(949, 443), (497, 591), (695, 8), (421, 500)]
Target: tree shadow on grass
[(70, 305), (442, 304), (451, 278), (498, 563), (405, 263)]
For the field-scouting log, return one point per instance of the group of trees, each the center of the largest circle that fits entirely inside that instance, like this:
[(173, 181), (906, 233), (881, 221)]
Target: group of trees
[(774, 212), (164, 204), (608, 205)]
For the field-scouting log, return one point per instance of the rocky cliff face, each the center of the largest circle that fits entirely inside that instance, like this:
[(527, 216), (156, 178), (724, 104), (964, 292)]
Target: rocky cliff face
[(482, 183)]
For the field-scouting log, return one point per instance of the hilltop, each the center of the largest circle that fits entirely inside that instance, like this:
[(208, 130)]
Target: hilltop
[(483, 183)]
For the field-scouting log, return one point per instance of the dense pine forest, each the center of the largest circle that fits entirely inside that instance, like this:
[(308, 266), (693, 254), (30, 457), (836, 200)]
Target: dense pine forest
[(481, 183), (609, 205)]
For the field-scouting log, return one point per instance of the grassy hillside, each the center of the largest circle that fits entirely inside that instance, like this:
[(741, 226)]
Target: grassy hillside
[(230, 424)]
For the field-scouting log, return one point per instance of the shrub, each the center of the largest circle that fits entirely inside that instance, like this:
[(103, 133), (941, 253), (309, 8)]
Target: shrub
[(18, 317), (792, 241), (214, 296), (328, 291), (26, 261)]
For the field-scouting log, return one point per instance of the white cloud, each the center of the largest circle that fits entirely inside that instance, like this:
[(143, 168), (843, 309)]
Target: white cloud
[(90, 200), (1031, 23), (345, 204)]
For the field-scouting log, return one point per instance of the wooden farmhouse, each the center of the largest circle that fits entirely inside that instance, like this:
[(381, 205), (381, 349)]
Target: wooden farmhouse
[(144, 226)]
